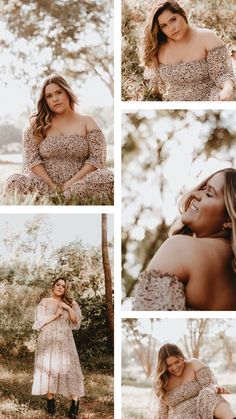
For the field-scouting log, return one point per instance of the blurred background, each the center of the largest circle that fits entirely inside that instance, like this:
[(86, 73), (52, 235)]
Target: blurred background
[(217, 15), (164, 154), (34, 250), (211, 340), (39, 38)]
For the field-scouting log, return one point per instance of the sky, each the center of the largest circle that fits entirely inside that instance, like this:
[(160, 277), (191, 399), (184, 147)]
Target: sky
[(64, 228)]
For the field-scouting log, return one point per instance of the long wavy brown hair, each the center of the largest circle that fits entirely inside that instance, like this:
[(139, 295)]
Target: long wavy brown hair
[(153, 35), (229, 192), (66, 298), (162, 375), (41, 120)]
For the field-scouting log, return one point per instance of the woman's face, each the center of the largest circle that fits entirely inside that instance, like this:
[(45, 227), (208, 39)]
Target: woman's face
[(59, 288), (56, 98), (206, 213), (175, 365), (172, 25)]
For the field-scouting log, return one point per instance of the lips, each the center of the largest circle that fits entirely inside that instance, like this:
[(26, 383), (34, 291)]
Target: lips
[(175, 33), (193, 207)]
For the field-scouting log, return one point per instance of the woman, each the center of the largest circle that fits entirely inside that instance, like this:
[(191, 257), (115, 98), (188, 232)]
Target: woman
[(195, 269), (183, 62), (187, 389), (63, 151), (57, 368)]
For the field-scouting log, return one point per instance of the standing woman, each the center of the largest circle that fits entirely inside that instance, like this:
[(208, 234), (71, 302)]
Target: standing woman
[(185, 63), (196, 267), (63, 151), (57, 368), (187, 389)]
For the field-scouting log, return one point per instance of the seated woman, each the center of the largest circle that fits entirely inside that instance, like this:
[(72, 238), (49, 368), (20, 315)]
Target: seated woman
[(195, 268), (188, 389), (63, 151), (183, 62)]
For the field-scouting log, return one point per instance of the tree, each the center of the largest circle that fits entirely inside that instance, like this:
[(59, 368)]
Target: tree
[(193, 341), (72, 37), (144, 344), (107, 276)]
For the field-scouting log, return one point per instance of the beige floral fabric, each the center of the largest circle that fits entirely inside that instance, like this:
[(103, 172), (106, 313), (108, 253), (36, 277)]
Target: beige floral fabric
[(57, 366), (158, 291), (196, 399), (198, 80), (63, 156)]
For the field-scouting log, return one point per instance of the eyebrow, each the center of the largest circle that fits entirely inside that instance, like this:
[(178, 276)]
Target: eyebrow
[(164, 23), (55, 91)]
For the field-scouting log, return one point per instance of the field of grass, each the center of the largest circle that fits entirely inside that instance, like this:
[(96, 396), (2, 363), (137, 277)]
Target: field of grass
[(217, 15), (16, 401)]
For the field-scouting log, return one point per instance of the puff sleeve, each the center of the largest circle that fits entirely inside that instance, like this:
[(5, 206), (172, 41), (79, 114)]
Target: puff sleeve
[(31, 156), (158, 291), (79, 316), (41, 315), (205, 377), (97, 148), (220, 66)]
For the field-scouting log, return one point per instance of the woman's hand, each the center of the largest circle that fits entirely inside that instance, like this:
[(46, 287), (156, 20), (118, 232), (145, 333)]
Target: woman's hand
[(65, 306), (59, 311), (221, 390), (227, 93)]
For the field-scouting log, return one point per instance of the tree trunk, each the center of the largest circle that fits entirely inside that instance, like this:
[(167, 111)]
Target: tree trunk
[(108, 278)]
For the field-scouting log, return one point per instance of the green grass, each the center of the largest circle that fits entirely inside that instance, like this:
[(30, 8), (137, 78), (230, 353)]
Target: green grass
[(17, 402)]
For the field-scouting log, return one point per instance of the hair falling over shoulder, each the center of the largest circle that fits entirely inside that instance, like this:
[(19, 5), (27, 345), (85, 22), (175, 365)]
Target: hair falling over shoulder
[(41, 120), (229, 192), (161, 380), (153, 36)]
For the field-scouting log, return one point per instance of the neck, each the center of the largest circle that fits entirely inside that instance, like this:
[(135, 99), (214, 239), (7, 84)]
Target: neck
[(68, 114)]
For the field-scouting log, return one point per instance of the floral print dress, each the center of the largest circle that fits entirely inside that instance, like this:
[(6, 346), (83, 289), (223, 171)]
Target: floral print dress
[(57, 367), (196, 399), (63, 156), (197, 80)]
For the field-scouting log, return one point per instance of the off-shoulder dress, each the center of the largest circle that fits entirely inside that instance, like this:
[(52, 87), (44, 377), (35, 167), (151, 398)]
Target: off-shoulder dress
[(195, 399), (63, 156), (158, 291), (198, 80), (57, 367)]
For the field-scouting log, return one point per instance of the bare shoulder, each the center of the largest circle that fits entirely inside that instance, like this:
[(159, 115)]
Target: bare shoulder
[(89, 122), (209, 38), (175, 256), (197, 364)]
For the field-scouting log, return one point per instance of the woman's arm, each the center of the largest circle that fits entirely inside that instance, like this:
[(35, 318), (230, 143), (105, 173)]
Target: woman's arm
[(71, 312), (88, 166), (41, 171), (223, 72)]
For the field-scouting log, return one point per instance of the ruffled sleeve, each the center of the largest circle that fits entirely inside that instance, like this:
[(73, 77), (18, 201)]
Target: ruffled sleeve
[(97, 148), (157, 291), (79, 316), (205, 377), (41, 315), (31, 156), (163, 410), (220, 65), (154, 77)]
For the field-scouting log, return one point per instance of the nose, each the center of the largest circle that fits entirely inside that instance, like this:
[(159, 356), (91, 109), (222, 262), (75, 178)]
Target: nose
[(197, 195)]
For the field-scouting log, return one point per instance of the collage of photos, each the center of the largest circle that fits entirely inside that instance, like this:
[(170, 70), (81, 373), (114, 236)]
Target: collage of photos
[(118, 209)]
